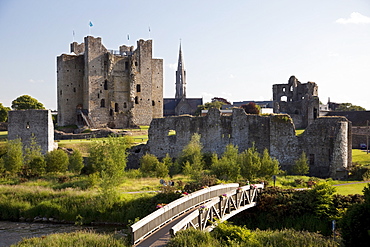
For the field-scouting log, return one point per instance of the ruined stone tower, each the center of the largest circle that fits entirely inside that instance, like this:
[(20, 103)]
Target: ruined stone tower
[(299, 100), (106, 88), (29, 124)]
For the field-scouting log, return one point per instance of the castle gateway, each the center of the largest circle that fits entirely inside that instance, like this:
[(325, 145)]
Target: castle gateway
[(105, 88)]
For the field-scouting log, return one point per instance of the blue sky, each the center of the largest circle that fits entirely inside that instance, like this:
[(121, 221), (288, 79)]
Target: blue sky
[(232, 49)]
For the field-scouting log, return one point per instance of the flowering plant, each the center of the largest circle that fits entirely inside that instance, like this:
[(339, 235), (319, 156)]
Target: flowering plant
[(202, 209), (239, 189), (184, 193), (205, 186), (160, 205)]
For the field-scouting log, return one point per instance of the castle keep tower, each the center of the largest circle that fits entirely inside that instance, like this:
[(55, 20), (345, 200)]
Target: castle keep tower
[(105, 88)]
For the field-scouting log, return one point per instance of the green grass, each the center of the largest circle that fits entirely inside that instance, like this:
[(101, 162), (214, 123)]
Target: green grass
[(360, 156), (78, 238), (299, 132), (350, 189), (3, 135)]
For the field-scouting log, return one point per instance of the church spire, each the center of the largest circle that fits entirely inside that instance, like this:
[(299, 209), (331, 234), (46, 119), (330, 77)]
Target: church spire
[(180, 77)]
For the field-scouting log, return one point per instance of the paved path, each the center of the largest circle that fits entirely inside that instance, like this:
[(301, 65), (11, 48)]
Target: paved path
[(352, 183), (162, 236)]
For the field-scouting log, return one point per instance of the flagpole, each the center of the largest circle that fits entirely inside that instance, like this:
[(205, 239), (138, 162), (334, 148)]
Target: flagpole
[(149, 31)]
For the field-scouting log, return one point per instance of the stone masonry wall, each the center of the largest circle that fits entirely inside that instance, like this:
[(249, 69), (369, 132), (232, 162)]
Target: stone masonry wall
[(325, 141), (115, 89), (25, 124)]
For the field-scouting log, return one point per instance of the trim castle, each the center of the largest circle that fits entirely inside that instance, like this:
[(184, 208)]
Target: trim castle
[(102, 88)]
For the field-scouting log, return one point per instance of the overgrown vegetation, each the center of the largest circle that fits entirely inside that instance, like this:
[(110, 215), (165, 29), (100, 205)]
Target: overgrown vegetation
[(79, 238), (229, 235)]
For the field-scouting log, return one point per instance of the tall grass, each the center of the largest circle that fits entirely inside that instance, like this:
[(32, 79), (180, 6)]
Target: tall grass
[(239, 237), (76, 239)]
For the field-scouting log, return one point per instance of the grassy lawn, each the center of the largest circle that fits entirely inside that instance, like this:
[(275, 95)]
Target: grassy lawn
[(360, 156), (3, 135), (351, 188)]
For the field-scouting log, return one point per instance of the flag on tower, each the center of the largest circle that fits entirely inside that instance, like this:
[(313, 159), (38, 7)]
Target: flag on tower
[(128, 36), (91, 24)]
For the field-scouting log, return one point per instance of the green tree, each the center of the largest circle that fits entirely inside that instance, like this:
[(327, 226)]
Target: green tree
[(250, 163), (4, 113), (148, 164), (269, 166), (301, 167), (108, 157), (209, 105), (32, 154), (227, 168), (161, 170), (26, 102), (56, 161), (75, 162), (37, 166), (251, 108), (191, 157), (13, 159), (349, 107)]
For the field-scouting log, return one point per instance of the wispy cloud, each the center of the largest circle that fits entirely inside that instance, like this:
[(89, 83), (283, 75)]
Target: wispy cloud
[(172, 66), (231, 76), (355, 18), (35, 81)]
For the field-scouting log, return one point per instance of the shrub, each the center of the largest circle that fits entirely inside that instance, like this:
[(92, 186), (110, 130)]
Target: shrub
[(75, 162), (56, 161)]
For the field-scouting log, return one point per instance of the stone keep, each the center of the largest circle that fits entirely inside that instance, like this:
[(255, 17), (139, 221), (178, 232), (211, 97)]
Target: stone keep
[(28, 124), (299, 100), (104, 88), (325, 142)]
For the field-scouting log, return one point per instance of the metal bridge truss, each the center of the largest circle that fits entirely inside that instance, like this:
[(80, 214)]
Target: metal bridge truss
[(220, 208)]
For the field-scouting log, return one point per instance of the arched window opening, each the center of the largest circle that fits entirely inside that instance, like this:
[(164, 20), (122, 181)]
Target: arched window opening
[(136, 100), (153, 103), (111, 112), (102, 103), (138, 88), (124, 105), (116, 107), (283, 98)]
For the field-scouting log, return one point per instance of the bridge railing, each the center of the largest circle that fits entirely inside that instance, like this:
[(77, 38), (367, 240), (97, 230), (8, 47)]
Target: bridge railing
[(220, 208), (155, 220)]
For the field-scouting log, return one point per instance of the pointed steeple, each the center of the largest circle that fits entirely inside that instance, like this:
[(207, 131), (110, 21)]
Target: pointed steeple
[(180, 77)]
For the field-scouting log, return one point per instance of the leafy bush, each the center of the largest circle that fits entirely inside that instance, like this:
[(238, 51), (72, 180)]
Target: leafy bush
[(355, 224), (56, 161)]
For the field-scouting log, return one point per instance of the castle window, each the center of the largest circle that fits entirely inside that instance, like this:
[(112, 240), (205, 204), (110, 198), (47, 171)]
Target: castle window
[(74, 89), (61, 92), (105, 85), (283, 99), (111, 112), (98, 96), (28, 125), (136, 100), (126, 65), (138, 88), (283, 89), (135, 63), (153, 103), (125, 105), (116, 107), (102, 103)]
